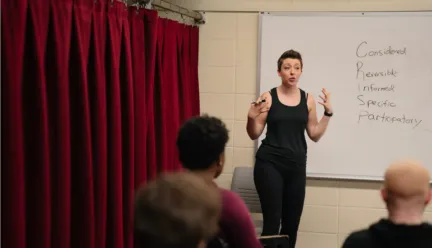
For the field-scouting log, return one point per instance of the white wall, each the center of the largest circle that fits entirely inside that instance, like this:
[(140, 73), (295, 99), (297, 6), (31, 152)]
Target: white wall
[(227, 73)]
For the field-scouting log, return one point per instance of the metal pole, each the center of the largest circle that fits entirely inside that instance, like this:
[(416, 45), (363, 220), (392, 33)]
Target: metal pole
[(177, 9)]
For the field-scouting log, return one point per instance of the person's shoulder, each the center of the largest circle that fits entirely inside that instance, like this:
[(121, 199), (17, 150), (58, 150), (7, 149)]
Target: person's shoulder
[(306, 93), (236, 223), (231, 198), (358, 238), (266, 94), (233, 205), (268, 97)]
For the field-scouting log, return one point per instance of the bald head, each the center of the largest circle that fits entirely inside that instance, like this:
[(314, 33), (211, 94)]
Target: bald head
[(407, 179)]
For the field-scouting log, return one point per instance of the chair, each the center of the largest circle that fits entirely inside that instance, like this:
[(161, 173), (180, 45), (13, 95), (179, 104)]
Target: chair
[(243, 184)]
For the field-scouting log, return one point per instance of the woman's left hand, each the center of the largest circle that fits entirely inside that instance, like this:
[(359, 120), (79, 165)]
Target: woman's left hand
[(326, 101)]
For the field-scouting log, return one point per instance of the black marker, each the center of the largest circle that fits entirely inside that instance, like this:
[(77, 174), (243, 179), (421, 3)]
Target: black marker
[(263, 100)]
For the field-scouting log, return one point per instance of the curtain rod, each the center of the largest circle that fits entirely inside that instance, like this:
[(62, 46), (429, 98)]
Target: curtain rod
[(198, 17)]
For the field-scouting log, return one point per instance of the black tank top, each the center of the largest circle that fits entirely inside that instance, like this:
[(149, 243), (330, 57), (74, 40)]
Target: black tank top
[(285, 142)]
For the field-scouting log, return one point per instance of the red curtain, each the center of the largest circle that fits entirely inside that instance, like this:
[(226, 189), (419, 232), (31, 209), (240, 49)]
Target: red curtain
[(92, 96)]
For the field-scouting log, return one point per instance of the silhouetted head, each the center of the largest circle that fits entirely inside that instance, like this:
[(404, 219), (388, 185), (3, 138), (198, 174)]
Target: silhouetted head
[(290, 67), (178, 210), (201, 144)]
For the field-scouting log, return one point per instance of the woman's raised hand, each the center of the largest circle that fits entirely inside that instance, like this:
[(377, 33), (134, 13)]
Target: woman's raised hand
[(258, 107)]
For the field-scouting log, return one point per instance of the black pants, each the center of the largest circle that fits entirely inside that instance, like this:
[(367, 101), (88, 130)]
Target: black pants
[(281, 191)]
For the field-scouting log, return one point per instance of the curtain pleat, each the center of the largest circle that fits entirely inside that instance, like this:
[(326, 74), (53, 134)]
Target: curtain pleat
[(93, 94)]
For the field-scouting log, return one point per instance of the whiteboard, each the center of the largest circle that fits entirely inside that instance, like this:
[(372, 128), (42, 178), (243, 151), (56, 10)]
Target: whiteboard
[(378, 67)]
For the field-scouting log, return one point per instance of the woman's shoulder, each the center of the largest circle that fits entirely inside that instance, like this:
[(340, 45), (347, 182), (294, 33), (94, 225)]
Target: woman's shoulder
[(268, 92), (303, 91), (267, 95), (306, 93)]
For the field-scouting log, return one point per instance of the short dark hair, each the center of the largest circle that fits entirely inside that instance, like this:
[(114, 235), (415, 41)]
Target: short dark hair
[(176, 210), (200, 142), (290, 54)]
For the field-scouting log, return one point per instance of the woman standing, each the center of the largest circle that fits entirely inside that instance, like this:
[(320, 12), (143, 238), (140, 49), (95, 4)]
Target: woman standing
[(280, 167)]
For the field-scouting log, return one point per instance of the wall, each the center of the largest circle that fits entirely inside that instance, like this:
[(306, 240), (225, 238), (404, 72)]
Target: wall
[(304, 5), (227, 72)]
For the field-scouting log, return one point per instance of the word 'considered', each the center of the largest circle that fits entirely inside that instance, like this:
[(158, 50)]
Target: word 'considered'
[(363, 51)]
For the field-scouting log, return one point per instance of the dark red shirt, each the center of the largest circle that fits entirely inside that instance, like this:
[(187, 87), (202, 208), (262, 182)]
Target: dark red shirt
[(236, 226)]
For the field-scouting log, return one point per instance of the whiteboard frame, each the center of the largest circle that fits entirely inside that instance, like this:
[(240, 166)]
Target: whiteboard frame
[(331, 14)]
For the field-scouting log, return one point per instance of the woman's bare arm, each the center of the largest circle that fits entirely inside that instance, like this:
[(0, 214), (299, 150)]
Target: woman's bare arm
[(257, 116), (315, 129)]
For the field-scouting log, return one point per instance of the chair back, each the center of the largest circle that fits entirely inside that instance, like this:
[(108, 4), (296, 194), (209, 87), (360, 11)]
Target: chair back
[(243, 184)]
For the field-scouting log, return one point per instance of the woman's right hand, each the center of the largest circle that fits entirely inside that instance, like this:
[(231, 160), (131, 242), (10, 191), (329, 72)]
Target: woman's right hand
[(258, 107)]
